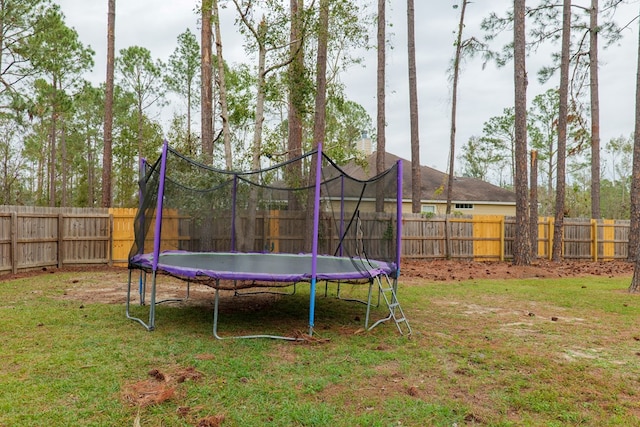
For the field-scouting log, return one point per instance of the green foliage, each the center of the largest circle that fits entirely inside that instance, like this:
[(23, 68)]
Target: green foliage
[(490, 157), (43, 94), (126, 133), (620, 151), (84, 141), (545, 18), (182, 78), (140, 74), (139, 136), (543, 118), (614, 199), (19, 18), (346, 122), (55, 50), (58, 58), (184, 67), (13, 167)]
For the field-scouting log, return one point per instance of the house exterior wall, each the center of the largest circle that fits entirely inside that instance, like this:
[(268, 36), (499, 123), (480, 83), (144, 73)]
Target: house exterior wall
[(477, 208), (439, 208)]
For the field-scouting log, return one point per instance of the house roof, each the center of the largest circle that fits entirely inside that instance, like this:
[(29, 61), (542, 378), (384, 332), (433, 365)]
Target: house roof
[(434, 183)]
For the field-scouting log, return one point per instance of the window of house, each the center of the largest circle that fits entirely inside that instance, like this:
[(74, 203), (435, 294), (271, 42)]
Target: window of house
[(428, 209), (464, 206)]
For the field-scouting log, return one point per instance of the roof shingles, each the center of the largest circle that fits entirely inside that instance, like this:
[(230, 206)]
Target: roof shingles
[(434, 183)]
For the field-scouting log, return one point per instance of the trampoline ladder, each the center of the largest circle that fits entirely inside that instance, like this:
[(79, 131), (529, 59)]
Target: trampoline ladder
[(388, 292)]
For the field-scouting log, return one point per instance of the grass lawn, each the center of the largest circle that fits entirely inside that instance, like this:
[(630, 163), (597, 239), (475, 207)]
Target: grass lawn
[(484, 352)]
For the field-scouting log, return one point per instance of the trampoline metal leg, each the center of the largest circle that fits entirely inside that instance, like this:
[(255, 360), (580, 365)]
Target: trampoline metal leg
[(152, 304), (216, 311), (186, 297), (215, 314), (366, 319), (142, 286), (148, 326)]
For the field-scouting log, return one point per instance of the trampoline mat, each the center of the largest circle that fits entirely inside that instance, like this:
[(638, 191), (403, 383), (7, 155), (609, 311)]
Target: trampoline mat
[(269, 267)]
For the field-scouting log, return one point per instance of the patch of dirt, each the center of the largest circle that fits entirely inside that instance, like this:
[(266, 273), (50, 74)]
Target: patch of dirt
[(448, 270), (109, 284), (159, 386)]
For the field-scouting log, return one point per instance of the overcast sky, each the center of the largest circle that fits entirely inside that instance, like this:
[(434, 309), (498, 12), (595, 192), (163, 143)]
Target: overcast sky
[(155, 25)]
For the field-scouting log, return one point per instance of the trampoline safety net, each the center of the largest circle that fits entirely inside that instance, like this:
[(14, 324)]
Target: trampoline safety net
[(204, 209)]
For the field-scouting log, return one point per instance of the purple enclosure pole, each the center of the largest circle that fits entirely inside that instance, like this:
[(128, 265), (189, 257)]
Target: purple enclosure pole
[(158, 227), (341, 211), (399, 218), (314, 247), (233, 212), (141, 191)]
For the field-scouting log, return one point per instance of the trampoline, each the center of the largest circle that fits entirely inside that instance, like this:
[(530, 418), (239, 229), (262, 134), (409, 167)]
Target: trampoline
[(267, 267), (235, 230)]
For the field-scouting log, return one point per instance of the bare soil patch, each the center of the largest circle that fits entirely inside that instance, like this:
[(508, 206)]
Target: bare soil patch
[(448, 270), (109, 284)]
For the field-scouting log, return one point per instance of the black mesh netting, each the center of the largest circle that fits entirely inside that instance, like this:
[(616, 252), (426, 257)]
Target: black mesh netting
[(269, 211)]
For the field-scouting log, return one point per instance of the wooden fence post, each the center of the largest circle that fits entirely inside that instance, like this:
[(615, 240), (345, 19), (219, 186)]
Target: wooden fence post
[(502, 245), (14, 243), (594, 240), (550, 241), (447, 239), (60, 254), (110, 244)]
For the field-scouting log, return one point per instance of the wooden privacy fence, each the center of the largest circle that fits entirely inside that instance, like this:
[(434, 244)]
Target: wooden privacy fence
[(123, 232), (52, 237), (491, 237), (41, 237), (478, 237)]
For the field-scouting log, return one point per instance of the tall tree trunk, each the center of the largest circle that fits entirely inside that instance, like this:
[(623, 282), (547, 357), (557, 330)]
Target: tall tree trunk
[(558, 228), (248, 238), (222, 89), (533, 204), (190, 150), (319, 122), (52, 163), (381, 101), (206, 88), (634, 229), (595, 110), (454, 99), (107, 158), (416, 179), (90, 174), (550, 169), (522, 243), (295, 99), (256, 150), (53, 146), (140, 128), (40, 190), (63, 165)]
